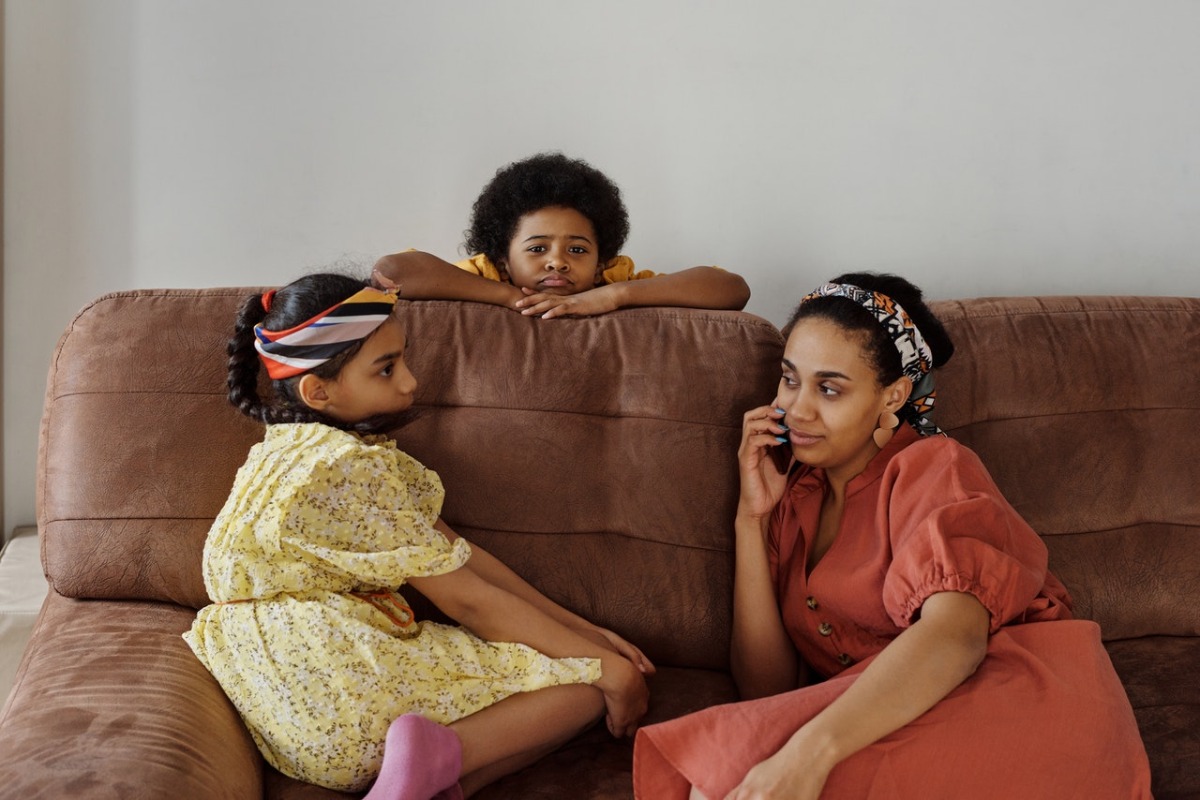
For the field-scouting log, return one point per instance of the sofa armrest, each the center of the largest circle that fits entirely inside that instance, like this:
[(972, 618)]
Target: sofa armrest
[(109, 702)]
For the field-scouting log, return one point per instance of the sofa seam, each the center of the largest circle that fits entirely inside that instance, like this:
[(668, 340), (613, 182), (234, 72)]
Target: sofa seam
[(472, 407), (955, 315), (1021, 417), (705, 548)]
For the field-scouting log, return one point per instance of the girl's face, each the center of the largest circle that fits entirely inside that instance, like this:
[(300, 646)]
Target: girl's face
[(554, 251), (375, 380), (831, 398)]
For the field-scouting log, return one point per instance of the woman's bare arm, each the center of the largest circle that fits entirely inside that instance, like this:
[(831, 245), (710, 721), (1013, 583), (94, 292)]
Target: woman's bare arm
[(911, 675)]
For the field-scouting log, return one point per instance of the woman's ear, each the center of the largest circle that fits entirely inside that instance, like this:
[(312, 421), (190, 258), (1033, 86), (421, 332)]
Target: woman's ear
[(896, 395), (313, 391)]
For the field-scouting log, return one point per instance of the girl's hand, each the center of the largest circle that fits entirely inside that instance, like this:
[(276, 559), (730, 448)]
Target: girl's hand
[(762, 482), (781, 777), (588, 303), (624, 648), (626, 697)]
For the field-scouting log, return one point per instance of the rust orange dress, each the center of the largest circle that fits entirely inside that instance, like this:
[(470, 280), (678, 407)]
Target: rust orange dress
[(1044, 715)]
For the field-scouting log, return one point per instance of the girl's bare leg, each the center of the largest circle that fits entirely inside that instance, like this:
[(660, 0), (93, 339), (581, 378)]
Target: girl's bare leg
[(522, 728)]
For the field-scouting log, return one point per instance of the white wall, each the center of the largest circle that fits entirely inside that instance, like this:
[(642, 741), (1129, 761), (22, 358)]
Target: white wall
[(1013, 147)]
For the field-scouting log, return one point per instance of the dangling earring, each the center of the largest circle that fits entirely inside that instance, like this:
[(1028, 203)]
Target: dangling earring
[(886, 430)]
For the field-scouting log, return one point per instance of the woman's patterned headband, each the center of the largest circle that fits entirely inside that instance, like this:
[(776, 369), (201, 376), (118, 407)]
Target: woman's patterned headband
[(916, 359), (312, 343)]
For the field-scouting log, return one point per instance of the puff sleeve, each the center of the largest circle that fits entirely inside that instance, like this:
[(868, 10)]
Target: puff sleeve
[(368, 519), (480, 265), (952, 530), (621, 269)]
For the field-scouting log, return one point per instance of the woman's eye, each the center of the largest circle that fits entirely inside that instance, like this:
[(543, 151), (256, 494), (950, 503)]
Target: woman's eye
[(387, 371), (828, 390), (789, 381)]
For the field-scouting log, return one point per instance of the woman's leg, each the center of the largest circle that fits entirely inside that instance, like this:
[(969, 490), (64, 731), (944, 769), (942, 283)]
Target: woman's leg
[(522, 728)]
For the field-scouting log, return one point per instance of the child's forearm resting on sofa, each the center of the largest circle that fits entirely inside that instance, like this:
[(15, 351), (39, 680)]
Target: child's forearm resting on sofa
[(422, 276), (499, 574)]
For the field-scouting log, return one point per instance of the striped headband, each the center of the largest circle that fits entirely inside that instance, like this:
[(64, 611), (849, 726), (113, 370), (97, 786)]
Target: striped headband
[(312, 343), (916, 359)]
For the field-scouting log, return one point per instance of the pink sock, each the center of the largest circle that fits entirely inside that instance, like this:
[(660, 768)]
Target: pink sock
[(421, 760)]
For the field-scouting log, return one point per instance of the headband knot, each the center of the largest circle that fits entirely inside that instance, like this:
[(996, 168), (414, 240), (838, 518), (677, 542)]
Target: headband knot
[(267, 298), (313, 342), (916, 359)]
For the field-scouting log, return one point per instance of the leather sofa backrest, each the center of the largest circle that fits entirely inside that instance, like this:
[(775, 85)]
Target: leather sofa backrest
[(594, 456), (1085, 410), (620, 432)]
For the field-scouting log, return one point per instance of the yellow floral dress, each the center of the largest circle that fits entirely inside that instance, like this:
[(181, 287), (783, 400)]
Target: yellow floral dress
[(306, 634)]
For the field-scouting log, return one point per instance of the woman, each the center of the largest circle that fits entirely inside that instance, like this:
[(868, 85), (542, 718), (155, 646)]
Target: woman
[(887, 560)]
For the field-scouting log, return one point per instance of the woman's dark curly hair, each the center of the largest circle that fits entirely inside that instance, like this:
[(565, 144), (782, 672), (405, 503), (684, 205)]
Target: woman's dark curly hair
[(293, 304), (542, 181), (856, 320)]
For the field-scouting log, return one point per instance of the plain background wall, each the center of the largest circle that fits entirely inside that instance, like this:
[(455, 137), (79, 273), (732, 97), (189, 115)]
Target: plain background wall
[(979, 148)]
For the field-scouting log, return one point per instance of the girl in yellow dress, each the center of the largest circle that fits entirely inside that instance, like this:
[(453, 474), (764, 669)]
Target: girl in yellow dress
[(307, 633)]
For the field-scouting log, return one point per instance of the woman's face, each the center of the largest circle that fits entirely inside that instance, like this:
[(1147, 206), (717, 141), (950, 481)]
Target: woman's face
[(554, 251), (831, 398)]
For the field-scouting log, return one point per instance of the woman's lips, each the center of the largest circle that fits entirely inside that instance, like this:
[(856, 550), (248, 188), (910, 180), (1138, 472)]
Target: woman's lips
[(801, 439)]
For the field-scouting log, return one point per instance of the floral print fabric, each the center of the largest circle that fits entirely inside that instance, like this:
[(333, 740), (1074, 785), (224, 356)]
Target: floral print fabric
[(306, 633)]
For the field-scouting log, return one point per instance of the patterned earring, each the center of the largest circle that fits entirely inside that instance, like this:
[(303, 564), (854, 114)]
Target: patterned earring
[(886, 430)]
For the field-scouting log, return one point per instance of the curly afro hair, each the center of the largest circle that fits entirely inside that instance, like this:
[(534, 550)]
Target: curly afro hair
[(542, 181)]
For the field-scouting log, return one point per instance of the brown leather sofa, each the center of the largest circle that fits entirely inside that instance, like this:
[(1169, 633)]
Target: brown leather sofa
[(596, 457)]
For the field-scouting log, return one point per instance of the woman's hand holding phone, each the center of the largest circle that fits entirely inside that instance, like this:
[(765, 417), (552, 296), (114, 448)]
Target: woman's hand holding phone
[(763, 472)]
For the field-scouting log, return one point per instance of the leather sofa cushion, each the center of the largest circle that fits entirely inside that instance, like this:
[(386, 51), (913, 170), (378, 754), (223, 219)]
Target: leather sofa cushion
[(1084, 410)]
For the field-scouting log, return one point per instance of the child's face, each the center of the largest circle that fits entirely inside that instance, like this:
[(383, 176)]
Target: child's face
[(554, 251), (375, 380)]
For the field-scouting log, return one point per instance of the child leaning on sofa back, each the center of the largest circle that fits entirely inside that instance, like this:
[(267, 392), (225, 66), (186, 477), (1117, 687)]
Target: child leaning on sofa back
[(546, 233)]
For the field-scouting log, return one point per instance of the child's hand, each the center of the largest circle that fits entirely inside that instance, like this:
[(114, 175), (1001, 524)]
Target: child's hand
[(626, 697), (589, 303), (608, 639), (625, 648), (380, 279)]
